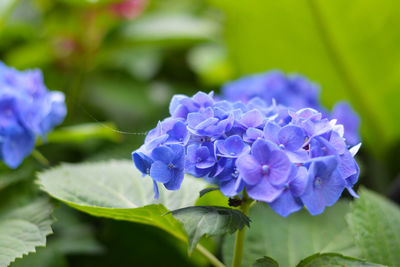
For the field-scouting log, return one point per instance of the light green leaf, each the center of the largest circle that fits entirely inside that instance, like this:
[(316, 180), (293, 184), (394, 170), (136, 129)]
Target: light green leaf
[(116, 190), (342, 45), (210, 62), (288, 240), (170, 28), (24, 229), (334, 260), (265, 262), (82, 132), (375, 225), (209, 220)]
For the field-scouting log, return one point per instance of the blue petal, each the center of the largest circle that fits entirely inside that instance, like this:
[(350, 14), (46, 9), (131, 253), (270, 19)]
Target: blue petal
[(176, 180), (286, 204), (292, 137), (163, 153), (160, 172), (17, 146), (156, 192), (142, 162), (263, 191)]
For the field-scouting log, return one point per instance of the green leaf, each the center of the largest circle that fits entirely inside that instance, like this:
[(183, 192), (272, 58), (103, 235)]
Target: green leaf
[(374, 222), (116, 190), (82, 132), (334, 260), (355, 57), (24, 172), (209, 220), (265, 262), (24, 229), (288, 240)]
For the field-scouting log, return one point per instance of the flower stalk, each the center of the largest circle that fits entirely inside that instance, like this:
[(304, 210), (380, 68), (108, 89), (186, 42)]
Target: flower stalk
[(240, 235)]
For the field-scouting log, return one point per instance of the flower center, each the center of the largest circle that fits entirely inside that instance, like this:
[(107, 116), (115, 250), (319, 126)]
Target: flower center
[(318, 181), (199, 159), (282, 146), (171, 166), (235, 173), (265, 169)]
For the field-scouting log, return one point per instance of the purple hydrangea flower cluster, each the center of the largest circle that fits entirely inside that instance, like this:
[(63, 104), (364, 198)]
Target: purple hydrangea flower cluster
[(293, 91), (285, 156), (27, 110)]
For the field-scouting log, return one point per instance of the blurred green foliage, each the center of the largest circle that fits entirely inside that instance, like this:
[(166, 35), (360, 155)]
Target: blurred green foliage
[(124, 71)]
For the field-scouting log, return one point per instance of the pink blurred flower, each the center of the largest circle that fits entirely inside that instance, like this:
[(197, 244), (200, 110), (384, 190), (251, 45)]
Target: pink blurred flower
[(128, 9)]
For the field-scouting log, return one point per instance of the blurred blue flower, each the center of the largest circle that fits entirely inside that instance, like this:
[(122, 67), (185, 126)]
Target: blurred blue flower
[(294, 91), (28, 109)]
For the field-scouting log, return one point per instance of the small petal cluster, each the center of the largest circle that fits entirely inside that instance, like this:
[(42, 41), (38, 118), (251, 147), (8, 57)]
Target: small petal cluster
[(293, 91), (27, 110), (284, 156)]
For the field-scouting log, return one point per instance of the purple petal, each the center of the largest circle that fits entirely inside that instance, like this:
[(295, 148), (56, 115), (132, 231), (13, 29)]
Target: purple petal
[(299, 183), (345, 115), (249, 169), (263, 191), (175, 102), (252, 118), (286, 204), (347, 166), (299, 156), (271, 132), (261, 150), (292, 137), (252, 134), (279, 168)]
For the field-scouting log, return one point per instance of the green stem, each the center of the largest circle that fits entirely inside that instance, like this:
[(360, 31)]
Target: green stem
[(40, 158), (240, 235), (211, 258)]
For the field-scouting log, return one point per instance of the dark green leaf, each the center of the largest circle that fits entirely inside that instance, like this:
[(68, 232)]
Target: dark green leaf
[(24, 229), (334, 260), (288, 240), (375, 224), (209, 220), (207, 190), (265, 262)]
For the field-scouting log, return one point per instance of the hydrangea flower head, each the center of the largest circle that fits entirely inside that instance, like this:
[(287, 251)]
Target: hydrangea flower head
[(287, 156), (27, 110)]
